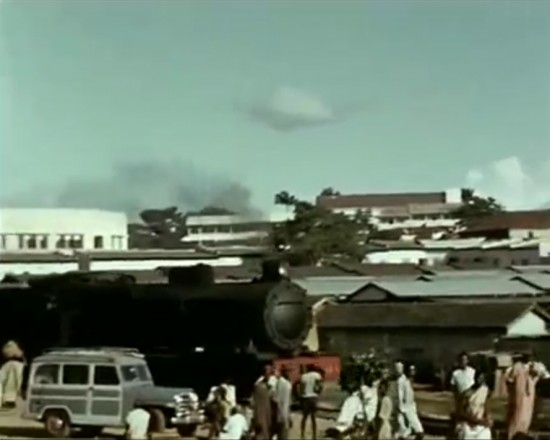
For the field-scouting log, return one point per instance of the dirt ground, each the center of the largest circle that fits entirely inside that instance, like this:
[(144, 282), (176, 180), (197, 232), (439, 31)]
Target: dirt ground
[(13, 426)]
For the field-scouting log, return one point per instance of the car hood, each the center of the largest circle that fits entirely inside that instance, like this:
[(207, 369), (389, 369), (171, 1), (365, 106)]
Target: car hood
[(154, 395)]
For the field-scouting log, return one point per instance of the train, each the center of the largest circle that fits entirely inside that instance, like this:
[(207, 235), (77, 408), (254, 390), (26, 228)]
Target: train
[(192, 329)]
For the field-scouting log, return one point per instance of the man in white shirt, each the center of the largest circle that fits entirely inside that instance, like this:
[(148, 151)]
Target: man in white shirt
[(462, 378), (236, 426), (311, 386), (269, 376), (137, 424), (407, 415), (283, 399), (230, 393)]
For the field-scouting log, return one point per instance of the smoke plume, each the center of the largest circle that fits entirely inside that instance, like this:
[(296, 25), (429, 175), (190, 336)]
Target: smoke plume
[(133, 187), (512, 183)]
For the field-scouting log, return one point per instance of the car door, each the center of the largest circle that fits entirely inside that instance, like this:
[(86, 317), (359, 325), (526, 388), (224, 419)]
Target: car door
[(106, 395), (75, 381)]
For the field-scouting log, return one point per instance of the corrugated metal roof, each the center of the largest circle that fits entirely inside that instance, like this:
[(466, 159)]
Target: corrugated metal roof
[(540, 280), (338, 286), (459, 286), (535, 268), (461, 243), (379, 200), (502, 273)]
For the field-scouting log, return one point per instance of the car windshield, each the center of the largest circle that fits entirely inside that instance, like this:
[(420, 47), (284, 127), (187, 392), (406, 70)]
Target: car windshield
[(135, 373)]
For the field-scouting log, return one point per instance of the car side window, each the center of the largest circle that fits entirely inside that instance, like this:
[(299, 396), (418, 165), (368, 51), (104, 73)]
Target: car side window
[(47, 374), (75, 374), (105, 375)]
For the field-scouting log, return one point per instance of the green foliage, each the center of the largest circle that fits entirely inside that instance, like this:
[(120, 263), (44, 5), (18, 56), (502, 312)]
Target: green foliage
[(363, 369), (161, 228), (475, 206), (212, 210), (330, 191), (317, 232)]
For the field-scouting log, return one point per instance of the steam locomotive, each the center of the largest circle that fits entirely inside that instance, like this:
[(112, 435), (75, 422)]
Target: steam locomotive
[(191, 329)]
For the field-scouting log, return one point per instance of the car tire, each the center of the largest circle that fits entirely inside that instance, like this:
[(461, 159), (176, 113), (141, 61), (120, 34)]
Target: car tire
[(158, 420), (57, 424), (186, 430)]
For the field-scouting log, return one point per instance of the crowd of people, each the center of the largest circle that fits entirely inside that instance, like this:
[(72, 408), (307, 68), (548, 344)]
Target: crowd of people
[(388, 409), (472, 416), (384, 407), (270, 405)]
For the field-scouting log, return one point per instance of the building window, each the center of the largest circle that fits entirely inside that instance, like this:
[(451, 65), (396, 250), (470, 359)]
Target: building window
[(98, 242), (117, 242), (61, 242), (75, 242), (525, 262), (3, 241), (43, 243), (31, 242), (496, 262)]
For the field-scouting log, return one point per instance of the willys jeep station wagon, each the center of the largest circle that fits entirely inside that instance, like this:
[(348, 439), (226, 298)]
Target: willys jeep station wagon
[(93, 388)]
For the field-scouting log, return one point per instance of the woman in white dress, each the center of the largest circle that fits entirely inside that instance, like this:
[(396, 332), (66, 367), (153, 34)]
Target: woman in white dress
[(474, 422)]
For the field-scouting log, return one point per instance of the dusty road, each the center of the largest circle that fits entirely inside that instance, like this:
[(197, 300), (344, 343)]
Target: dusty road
[(12, 426)]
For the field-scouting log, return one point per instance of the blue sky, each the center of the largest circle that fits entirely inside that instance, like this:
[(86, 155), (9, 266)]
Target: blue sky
[(373, 96)]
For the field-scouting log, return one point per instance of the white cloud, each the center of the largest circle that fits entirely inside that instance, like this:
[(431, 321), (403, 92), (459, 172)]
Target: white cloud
[(511, 183), (288, 108)]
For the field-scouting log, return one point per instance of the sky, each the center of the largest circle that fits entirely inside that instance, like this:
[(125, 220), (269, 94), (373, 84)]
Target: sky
[(100, 101)]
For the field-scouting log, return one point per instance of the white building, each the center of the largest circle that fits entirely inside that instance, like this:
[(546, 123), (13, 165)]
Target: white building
[(470, 251), (399, 210), (230, 229), (56, 229)]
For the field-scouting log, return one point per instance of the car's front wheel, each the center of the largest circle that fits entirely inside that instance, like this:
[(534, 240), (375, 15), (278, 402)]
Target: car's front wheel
[(186, 430), (57, 424), (158, 420)]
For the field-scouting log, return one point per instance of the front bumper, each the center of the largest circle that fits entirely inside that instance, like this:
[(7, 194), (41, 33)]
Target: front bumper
[(194, 418)]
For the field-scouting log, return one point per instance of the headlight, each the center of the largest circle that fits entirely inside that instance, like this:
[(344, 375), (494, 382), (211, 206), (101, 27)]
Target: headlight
[(178, 398), (193, 398)]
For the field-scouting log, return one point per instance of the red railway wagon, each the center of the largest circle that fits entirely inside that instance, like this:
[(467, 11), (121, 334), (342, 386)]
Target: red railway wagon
[(330, 365)]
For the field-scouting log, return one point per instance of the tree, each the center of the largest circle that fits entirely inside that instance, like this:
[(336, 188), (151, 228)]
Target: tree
[(330, 191), (475, 206), (165, 228), (316, 232), (212, 210), (284, 198)]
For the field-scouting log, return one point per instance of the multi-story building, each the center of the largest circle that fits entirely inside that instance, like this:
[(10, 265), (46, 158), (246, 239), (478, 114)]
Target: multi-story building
[(56, 229), (399, 210), (230, 230), (511, 225)]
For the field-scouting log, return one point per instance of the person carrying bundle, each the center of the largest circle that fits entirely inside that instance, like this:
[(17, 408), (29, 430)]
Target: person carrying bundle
[(11, 374)]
